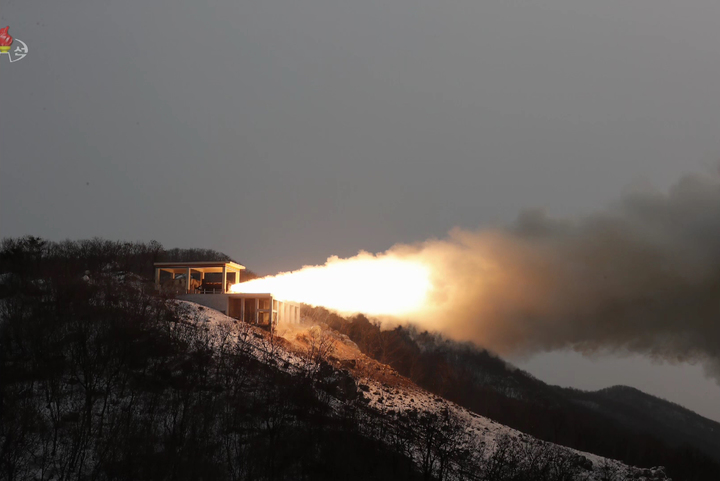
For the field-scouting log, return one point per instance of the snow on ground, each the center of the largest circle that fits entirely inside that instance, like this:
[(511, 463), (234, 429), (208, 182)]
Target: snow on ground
[(383, 389), (384, 398), (260, 344)]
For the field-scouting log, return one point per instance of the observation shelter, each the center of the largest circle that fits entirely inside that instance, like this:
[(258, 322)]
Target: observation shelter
[(208, 284)]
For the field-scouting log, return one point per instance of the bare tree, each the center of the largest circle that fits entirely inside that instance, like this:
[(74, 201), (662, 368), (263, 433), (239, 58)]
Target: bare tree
[(318, 351)]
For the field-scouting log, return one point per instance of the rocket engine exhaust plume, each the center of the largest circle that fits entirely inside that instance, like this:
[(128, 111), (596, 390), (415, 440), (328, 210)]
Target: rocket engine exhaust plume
[(375, 285), (641, 276)]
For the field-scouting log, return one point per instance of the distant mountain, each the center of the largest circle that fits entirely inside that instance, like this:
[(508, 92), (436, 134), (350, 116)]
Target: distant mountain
[(675, 424)]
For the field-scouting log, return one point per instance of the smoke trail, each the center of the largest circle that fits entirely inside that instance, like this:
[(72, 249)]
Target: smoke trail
[(641, 276)]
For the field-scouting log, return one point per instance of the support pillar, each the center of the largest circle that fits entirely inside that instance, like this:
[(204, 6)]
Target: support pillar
[(187, 280), (157, 278), (224, 279)]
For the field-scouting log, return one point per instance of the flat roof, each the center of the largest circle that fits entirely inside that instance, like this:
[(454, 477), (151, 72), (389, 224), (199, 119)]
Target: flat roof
[(244, 295), (250, 294), (259, 295), (198, 265)]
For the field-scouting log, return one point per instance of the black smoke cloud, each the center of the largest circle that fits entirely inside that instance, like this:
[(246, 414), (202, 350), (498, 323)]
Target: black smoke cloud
[(641, 276)]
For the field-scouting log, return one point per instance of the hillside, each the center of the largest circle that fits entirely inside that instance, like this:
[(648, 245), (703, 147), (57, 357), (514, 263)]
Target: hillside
[(103, 380), (485, 384), (674, 423), (100, 380), (444, 440)]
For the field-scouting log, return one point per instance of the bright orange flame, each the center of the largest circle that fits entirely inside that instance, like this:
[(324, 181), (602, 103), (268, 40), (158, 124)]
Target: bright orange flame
[(374, 285)]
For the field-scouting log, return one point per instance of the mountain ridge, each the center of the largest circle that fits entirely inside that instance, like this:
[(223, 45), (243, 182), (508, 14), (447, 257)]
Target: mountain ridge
[(688, 427)]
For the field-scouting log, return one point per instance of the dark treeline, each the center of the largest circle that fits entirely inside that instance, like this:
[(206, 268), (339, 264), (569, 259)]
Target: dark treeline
[(29, 256), (485, 384)]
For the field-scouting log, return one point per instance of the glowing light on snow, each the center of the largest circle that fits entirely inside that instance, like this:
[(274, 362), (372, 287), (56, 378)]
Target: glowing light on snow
[(383, 285)]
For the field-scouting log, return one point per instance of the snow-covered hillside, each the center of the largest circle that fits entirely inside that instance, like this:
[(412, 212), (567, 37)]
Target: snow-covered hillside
[(388, 396)]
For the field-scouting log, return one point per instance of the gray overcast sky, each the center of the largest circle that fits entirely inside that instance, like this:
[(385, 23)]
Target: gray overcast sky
[(282, 132)]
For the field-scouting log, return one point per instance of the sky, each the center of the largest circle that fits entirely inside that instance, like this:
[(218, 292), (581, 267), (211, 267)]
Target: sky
[(284, 132)]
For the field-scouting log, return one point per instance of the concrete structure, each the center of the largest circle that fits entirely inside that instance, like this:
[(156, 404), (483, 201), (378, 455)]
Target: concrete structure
[(258, 309), (189, 277), (188, 280)]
